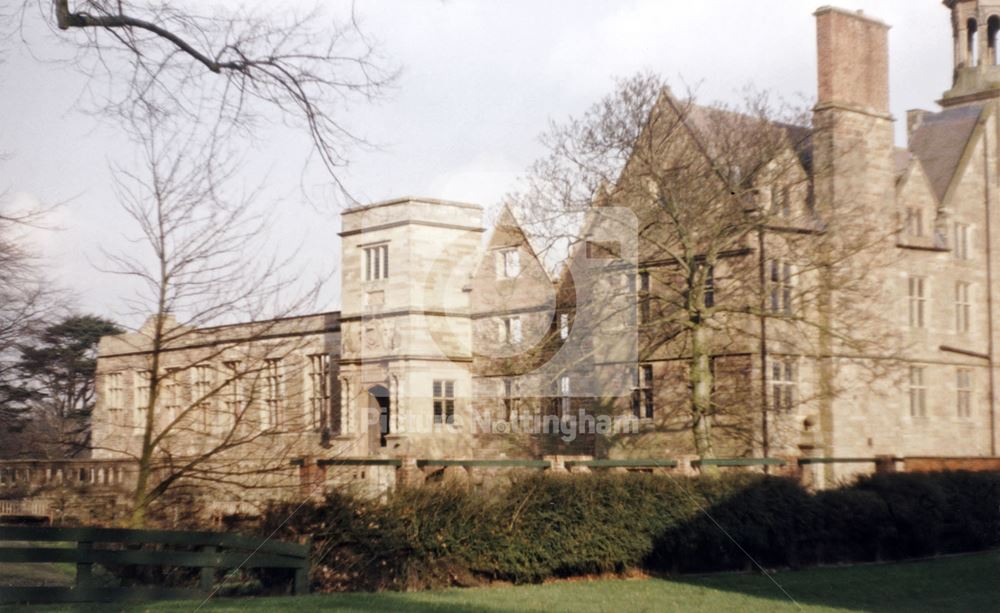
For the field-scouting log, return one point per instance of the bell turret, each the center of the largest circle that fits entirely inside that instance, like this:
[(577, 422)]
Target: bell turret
[(975, 26)]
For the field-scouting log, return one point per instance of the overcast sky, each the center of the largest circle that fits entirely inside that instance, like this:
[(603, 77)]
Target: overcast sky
[(480, 80)]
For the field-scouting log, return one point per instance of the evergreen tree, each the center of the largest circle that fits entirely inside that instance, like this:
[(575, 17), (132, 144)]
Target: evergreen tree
[(57, 382)]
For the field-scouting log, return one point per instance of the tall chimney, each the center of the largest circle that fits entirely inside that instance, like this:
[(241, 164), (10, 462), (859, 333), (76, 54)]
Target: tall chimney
[(853, 174), (853, 139), (853, 60)]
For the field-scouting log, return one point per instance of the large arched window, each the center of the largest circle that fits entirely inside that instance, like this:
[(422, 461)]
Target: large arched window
[(992, 27), (972, 51)]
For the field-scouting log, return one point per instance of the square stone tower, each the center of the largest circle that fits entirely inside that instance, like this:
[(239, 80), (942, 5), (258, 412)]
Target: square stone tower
[(405, 352)]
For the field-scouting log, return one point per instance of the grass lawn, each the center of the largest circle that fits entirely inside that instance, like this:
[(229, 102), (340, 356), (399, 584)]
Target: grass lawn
[(967, 583), (36, 574)]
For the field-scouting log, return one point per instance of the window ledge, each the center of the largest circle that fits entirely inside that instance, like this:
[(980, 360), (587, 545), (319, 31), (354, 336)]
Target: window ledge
[(921, 243)]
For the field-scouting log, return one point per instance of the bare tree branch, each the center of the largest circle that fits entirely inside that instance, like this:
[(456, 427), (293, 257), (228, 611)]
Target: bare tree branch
[(230, 69)]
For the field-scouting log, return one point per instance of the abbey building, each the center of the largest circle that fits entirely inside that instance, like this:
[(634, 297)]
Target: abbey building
[(458, 341)]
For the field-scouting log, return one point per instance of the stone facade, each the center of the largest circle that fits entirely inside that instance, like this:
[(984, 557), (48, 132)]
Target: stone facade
[(447, 334)]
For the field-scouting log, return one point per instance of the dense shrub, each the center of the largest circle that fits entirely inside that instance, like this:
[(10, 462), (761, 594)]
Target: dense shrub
[(915, 503), (741, 520), (970, 512), (558, 525), (563, 525), (850, 525)]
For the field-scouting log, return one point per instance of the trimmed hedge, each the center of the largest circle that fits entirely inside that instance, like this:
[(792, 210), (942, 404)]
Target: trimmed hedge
[(558, 525)]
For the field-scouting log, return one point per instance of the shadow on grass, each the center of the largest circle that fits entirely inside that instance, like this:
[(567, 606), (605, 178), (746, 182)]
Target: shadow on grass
[(963, 583), (957, 583)]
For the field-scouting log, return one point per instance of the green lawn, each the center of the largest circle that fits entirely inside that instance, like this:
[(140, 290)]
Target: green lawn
[(36, 574), (968, 583)]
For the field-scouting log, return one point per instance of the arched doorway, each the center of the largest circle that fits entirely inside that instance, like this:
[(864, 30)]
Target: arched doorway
[(379, 411)]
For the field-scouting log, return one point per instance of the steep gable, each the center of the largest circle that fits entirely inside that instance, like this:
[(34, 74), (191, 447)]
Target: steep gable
[(939, 143), (916, 205), (522, 282)]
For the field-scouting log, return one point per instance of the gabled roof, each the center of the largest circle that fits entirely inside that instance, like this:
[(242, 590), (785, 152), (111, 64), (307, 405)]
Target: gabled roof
[(702, 119), (508, 224), (939, 142)]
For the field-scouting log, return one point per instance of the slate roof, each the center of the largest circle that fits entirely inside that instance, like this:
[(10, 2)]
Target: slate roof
[(939, 142), (901, 160), (705, 121)]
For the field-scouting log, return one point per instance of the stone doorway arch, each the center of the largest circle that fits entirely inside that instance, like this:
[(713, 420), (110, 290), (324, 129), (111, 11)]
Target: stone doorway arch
[(379, 414)]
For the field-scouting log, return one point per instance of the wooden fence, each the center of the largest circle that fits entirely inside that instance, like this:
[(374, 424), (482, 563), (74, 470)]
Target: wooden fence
[(207, 551)]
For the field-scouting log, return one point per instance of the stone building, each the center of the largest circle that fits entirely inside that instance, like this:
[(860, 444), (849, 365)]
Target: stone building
[(457, 342)]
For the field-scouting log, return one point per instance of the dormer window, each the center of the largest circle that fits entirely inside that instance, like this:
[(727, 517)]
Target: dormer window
[(508, 263), (376, 262)]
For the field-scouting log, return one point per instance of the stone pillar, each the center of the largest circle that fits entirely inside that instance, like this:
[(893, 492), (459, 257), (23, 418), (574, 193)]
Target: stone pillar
[(792, 468), (962, 47), (409, 474), (685, 465), (396, 407), (556, 463), (885, 464), (983, 42), (346, 427)]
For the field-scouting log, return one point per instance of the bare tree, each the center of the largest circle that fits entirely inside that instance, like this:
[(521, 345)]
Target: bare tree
[(26, 302), (229, 66), (208, 407), (741, 269)]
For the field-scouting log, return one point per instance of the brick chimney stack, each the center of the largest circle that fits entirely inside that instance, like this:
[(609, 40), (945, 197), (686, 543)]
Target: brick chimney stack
[(853, 150), (853, 140), (853, 60)]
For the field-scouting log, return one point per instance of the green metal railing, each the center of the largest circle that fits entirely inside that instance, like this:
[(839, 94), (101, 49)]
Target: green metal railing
[(360, 462), (486, 463), (604, 463), (730, 462), (806, 461), (623, 463)]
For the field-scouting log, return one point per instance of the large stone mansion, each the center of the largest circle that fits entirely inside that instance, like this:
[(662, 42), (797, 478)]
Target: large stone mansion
[(456, 341)]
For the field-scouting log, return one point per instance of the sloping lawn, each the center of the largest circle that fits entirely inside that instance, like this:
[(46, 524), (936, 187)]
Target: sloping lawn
[(967, 583)]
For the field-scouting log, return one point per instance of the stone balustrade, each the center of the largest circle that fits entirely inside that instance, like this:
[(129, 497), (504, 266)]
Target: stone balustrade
[(33, 475)]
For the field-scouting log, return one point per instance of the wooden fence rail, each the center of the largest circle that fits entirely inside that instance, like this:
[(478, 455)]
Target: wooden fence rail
[(207, 551)]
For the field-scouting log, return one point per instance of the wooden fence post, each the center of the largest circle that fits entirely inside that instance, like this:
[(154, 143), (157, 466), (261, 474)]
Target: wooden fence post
[(301, 583), (206, 576), (83, 575)]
